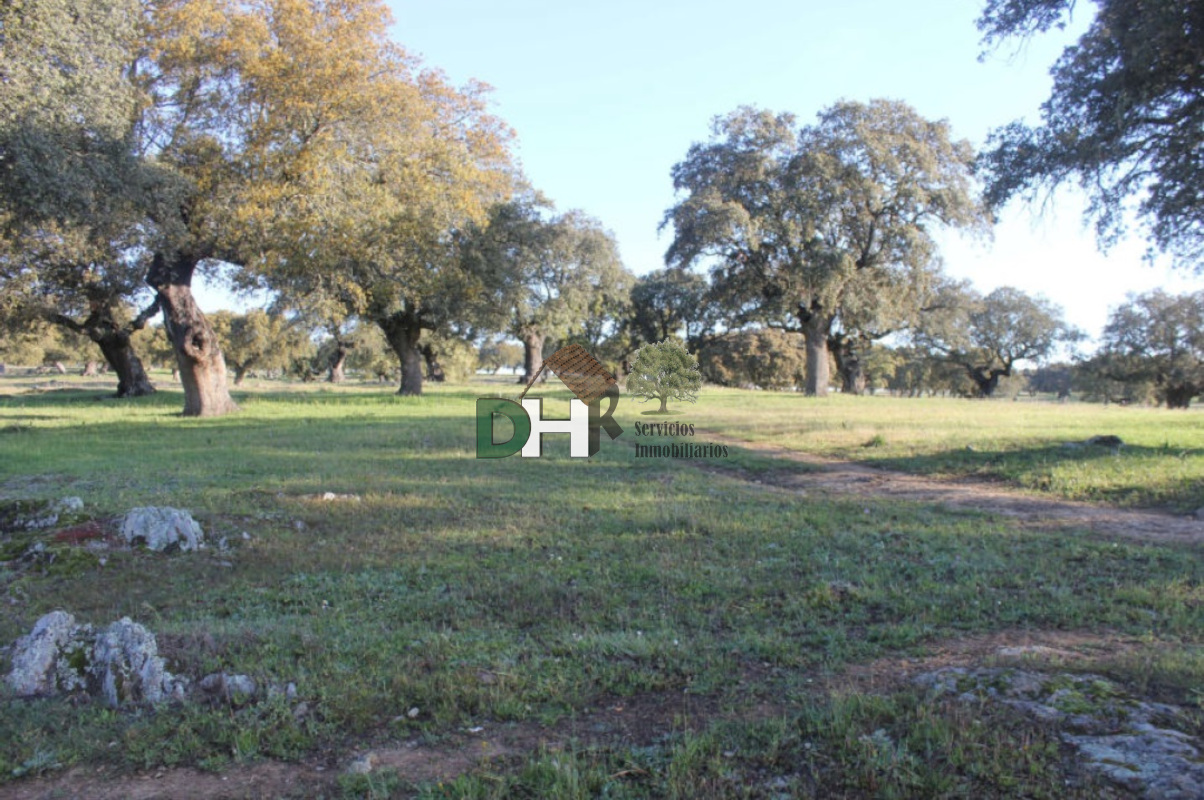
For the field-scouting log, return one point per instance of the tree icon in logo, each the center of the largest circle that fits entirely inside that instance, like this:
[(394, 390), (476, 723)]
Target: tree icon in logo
[(665, 371)]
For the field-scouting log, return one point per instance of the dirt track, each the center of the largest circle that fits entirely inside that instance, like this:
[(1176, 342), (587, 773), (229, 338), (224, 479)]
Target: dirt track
[(834, 477)]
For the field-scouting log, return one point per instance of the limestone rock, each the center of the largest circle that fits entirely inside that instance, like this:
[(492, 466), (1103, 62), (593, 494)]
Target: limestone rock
[(160, 528), (237, 690), (33, 515), (1129, 742), (53, 658), (126, 667)]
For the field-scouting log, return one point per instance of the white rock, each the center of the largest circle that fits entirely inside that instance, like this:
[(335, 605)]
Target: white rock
[(35, 660), (127, 668), (159, 528)]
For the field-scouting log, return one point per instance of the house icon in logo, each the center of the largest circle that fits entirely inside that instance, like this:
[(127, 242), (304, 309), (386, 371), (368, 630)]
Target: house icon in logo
[(586, 378)]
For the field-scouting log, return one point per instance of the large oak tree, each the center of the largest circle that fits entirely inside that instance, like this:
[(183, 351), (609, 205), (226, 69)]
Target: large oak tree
[(366, 171), (800, 221), (71, 187)]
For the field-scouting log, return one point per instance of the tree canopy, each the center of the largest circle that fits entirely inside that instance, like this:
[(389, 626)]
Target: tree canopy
[(665, 371), (1125, 117), (1157, 338), (800, 223), (988, 336), (545, 276)]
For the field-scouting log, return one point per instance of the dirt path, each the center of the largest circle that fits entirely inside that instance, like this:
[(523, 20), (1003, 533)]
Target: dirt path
[(846, 478)]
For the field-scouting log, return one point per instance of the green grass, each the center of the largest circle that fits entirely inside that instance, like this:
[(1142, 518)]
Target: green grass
[(523, 591), (1022, 443)]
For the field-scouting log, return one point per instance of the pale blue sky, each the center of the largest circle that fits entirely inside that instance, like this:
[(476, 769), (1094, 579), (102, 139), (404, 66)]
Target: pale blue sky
[(605, 97)]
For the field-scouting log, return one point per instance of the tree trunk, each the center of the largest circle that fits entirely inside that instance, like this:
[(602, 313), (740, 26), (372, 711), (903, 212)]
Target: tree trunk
[(815, 332), (403, 332), (434, 370), (664, 409), (338, 360), (1180, 396), (848, 353), (199, 356), (132, 380), (240, 372), (114, 343), (986, 380), (532, 355), (91, 370)]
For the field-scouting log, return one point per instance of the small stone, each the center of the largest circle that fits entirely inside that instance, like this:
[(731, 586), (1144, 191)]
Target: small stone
[(362, 765), (412, 713), (237, 690), (246, 537), (301, 710)]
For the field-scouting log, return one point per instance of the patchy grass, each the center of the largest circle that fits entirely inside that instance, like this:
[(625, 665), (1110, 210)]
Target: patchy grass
[(527, 591), (1031, 444)]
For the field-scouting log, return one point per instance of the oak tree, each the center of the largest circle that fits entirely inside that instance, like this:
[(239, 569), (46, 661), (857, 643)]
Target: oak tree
[(988, 336), (665, 371), (798, 221), (1157, 339)]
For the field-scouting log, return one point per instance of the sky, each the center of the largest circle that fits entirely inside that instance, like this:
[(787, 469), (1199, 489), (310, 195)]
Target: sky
[(605, 97)]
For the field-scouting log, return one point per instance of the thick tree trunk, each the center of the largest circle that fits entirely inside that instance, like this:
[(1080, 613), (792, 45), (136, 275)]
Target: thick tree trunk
[(434, 370), (199, 356), (91, 370), (132, 380), (986, 380), (1180, 396), (815, 332), (848, 353), (338, 360), (240, 372), (114, 343), (532, 355), (664, 409), (403, 332)]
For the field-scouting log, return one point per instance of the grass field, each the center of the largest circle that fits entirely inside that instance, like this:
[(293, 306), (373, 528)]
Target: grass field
[(1027, 443), (453, 593)]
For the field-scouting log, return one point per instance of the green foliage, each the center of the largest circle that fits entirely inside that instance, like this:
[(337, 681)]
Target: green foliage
[(664, 371), (498, 353), (988, 336), (765, 357), (549, 278), (1156, 340), (827, 222), (672, 302), (1123, 117), (260, 340)]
